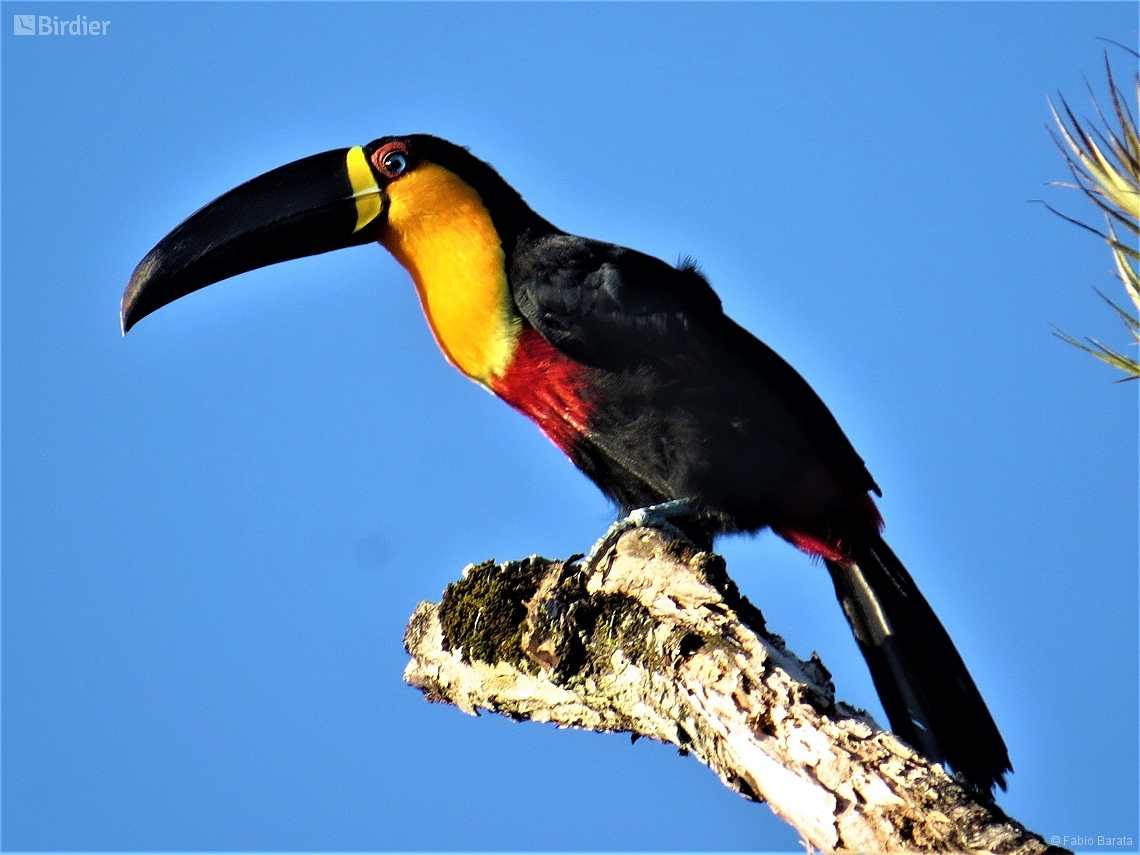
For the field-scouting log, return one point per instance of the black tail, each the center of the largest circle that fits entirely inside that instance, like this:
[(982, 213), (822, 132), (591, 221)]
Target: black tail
[(924, 686)]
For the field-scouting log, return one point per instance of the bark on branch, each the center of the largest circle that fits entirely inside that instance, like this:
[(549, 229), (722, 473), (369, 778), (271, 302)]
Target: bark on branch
[(658, 642)]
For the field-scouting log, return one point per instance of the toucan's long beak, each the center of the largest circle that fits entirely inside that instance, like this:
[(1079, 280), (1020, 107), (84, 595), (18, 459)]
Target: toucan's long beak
[(314, 205)]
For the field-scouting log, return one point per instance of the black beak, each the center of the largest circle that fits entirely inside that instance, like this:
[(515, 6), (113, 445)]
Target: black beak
[(317, 204)]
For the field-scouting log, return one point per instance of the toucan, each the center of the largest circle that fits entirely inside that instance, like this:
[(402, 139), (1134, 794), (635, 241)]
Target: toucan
[(628, 365)]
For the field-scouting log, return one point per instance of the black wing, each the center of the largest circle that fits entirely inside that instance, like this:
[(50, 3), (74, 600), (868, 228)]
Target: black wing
[(617, 310), (607, 306)]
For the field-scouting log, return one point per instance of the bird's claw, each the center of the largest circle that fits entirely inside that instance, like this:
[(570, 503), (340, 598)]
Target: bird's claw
[(652, 516)]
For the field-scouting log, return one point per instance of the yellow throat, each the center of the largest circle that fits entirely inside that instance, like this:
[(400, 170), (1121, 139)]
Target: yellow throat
[(440, 231)]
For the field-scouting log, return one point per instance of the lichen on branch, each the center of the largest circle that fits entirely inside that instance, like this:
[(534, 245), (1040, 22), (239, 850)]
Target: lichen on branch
[(657, 641)]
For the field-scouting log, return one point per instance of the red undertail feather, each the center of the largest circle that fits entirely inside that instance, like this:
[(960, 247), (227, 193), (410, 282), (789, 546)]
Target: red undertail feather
[(832, 548), (815, 546), (548, 388)]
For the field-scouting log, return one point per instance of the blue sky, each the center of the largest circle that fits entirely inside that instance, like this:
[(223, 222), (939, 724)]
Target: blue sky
[(216, 528)]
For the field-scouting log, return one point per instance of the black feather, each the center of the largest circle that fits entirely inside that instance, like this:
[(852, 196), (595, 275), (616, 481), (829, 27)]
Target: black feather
[(926, 690)]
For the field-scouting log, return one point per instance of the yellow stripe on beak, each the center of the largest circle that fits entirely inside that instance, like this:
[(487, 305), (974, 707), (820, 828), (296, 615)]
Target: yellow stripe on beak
[(365, 190)]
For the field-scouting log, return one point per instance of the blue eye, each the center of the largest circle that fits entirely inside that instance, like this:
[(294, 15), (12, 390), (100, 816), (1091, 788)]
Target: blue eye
[(395, 163)]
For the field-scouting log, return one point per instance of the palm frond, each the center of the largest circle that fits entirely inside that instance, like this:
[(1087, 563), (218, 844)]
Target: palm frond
[(1105, 164), (1104, 353)]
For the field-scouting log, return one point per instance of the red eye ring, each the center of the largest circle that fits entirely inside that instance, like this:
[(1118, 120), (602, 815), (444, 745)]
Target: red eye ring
[(391, 160)]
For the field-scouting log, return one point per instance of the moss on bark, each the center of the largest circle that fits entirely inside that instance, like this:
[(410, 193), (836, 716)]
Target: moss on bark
[(484, 614)]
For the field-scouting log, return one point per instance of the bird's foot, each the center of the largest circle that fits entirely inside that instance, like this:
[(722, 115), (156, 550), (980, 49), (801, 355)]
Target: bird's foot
[(653, 516)]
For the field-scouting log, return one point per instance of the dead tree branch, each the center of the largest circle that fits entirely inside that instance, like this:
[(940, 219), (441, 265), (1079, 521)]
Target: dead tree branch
[(658, 642)]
